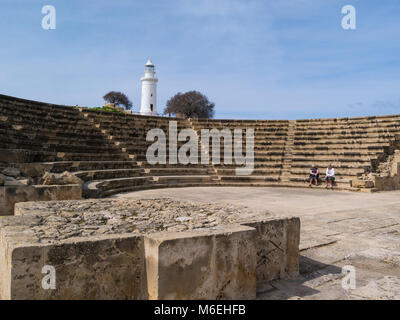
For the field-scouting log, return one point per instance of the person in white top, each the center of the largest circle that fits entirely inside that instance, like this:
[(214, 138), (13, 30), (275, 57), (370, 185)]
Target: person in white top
[(330, 176)]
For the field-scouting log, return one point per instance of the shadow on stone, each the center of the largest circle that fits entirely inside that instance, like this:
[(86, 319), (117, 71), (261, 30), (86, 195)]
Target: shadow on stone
[(308, 267), (312, 272)]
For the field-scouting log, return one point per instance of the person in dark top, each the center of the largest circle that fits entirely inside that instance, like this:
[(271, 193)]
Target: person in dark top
[(314, 175)]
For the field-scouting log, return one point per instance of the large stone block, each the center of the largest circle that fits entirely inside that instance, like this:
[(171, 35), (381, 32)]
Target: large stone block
[(65, 178), (209, 264), (362, 183), (387, 183), (108, 267), (277, 244)]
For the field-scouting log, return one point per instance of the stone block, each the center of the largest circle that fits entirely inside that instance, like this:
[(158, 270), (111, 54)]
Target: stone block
[(387, 183), (108, 267), (362, 184), (65, 178), (36, 169), (218, 263), (277, 244)]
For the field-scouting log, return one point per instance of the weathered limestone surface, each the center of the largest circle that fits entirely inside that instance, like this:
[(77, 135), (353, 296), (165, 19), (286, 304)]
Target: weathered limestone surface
[(277, 244), (61, 219), (108, 267), (387, 183), (64, 178), (362, 184), (390, 181), (36, 169), (192, 250), (212, 264), (10, 195)]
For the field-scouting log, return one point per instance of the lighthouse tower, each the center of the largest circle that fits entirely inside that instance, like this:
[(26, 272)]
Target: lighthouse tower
[(149, 91)]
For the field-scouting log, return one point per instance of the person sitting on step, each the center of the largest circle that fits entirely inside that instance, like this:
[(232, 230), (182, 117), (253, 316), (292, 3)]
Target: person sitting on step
[(314, 175), (330, 176)]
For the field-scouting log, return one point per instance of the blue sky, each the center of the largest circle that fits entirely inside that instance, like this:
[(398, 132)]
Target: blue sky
[(256, 59)]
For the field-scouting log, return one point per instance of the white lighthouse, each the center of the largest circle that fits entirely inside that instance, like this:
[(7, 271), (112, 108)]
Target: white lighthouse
[(149, 91)]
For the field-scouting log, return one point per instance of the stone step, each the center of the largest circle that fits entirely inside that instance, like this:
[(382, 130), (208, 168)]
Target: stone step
[(61, 148), (347, 121), (48, 134), (48, 128), (95, 189), (221, 122), (181, 179), (277, 164), (250, 178), (255, 172), (346, 153), (340, 184), (111, 192), (109, 174), (105, 187), (170, 165), (61, 166), (28, 156), (260, 159), (391, 130), (334, 158), (135, 124), (177, 171), (341, 174), (53, 119), (41, 110), (343, 147), (344, 139), (348, 165)]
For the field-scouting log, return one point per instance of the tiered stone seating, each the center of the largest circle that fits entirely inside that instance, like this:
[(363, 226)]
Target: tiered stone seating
[(57, 139), (108, 150), (52, 133), (129, 133), (269, 144), (353, 146)]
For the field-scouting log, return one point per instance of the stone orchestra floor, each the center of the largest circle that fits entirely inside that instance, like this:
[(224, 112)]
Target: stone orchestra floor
[(337, 229)]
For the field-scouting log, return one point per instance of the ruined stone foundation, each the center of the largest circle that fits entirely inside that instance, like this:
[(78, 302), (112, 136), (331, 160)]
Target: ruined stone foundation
[(143, 249)]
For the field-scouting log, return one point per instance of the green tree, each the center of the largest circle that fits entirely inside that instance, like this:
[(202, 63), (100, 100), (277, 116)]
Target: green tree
[(118, 98), (192, 104)]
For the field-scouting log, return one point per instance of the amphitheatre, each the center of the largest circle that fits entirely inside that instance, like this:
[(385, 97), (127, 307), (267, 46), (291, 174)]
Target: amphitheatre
[(77, 194)]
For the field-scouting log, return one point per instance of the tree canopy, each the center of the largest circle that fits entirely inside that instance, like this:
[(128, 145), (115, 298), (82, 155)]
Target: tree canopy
[(192, 104), (118, 98)]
